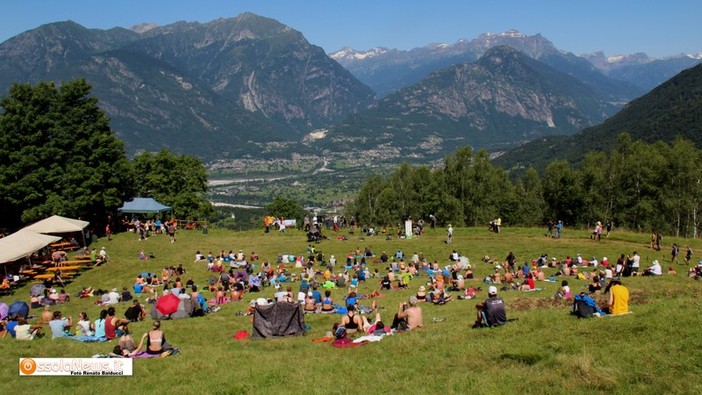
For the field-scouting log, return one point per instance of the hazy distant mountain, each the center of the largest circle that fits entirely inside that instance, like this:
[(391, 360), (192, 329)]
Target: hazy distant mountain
[(672, 109), (386, 70), (641, 70), (503, 98), (230, 86)]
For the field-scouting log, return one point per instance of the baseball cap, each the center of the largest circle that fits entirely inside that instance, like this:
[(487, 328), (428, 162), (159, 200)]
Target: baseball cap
[(492, 290)]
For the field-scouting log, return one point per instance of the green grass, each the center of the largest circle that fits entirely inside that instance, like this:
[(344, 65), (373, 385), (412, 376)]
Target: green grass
[(653, 350)]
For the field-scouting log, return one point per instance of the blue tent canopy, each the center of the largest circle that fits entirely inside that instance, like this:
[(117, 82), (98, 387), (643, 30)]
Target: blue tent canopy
[(144, 206)]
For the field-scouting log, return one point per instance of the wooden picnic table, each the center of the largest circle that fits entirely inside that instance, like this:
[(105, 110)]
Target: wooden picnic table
[(76, 263), (28, 272), (82, 258), (64, 269)]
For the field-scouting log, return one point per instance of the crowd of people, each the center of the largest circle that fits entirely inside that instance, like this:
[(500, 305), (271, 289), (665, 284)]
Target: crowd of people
[(325, 285)]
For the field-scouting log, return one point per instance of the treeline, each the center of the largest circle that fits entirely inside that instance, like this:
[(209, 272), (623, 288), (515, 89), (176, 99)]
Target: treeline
[(637, 185), (58, 155)]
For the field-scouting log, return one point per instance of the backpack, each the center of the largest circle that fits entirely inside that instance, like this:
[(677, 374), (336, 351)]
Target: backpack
[(581, 308)]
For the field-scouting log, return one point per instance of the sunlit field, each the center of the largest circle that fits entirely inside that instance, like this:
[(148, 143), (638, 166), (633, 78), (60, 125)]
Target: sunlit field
[(656, 349)]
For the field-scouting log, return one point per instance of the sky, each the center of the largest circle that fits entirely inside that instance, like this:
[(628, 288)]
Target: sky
[(658, 28)]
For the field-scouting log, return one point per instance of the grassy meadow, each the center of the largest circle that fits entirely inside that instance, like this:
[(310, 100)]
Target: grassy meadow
[(654, 350)]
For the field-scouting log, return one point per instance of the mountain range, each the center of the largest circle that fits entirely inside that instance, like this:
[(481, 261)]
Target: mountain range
[(250, 86), (671, 110), (505, 97), (230, 87), (621, 78)]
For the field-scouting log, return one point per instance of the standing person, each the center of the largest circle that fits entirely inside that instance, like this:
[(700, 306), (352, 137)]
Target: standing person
[(492, 311), (171, 231), (674, 251), (108, 232), (549, 232), (608, 226), (688, 255), (635, 263), (559, 229), (658, 241), (432, 218), (653, 240), (449, 234), (498, 224)]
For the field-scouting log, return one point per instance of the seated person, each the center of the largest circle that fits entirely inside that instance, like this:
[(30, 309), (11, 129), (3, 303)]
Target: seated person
[(25, 331), (84, 326), (618, 297), (528, 283), (310, 303), (470, 293), (654, 270), (135, 312), (595, 285), (153, 341), (422, 294), (47, 315), (351, 321), (496, 277), (126, 295), (125, 344), (327, 303), (564, 290), (60, 325), (492, 311), (409, 315)]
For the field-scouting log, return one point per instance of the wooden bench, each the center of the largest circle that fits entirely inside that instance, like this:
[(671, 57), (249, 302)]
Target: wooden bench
[(82, 258), (64, 269)]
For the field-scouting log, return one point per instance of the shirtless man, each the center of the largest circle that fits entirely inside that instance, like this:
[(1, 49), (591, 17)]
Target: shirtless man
[(410, 313)]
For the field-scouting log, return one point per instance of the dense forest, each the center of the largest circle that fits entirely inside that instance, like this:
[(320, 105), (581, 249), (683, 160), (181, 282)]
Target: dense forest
[(637, 185)]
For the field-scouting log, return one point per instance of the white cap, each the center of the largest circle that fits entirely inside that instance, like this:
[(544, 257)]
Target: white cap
[(492, 290)]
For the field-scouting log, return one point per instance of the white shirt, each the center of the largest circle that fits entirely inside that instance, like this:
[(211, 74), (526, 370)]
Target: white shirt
[(656, 269), (635, 261), (113, 298)]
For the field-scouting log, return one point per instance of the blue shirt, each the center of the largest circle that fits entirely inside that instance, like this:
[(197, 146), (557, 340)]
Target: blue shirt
[(99, 328), (58, 327), (317, 296), (11, 327)]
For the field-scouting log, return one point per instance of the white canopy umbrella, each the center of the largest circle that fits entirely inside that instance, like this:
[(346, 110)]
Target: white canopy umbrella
[(22, 244), (58, 224)]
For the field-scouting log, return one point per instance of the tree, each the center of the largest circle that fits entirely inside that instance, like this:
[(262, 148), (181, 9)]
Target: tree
[(562, 192), (286, 208), (58, 155), (529, 198), (179, 181)]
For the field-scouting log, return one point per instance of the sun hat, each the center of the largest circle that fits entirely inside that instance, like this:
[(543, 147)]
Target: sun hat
[(492, 290), (422, 288)]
